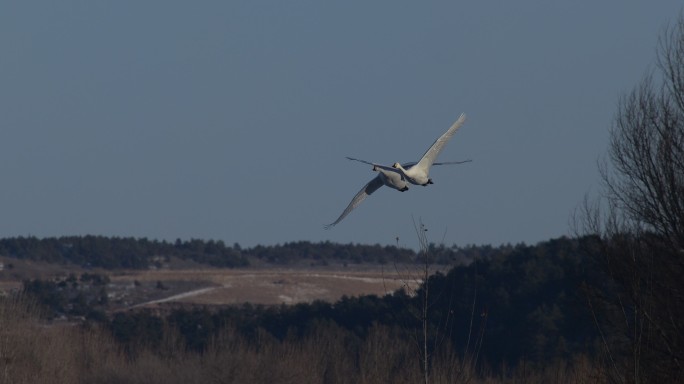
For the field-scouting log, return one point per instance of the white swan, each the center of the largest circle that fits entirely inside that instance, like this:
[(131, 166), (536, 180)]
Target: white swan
[(419, 173)]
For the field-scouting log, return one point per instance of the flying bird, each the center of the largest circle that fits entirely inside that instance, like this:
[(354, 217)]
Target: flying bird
[(419, 173), (400, 175)]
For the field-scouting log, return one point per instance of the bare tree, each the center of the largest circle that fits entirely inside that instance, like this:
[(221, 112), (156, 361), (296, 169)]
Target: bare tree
[(416, 284), (641, 226), (432, 333)]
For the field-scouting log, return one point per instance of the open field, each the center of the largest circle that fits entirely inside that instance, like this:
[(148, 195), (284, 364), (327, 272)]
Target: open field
[(192, 284), (258, 286)]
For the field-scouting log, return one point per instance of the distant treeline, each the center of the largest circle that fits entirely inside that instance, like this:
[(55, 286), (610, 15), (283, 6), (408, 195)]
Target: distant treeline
[(141, 253), (509, 304), (522, 303)]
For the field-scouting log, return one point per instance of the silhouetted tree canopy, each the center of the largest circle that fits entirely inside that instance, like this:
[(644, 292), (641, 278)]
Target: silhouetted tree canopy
[(639, 225)]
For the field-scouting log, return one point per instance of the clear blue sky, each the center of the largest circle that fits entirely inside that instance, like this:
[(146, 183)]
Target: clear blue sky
[(230, 120)]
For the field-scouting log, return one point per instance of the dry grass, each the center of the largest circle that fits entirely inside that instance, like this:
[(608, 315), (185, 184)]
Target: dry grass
[(35, 352), (214, 286), (32, 352), (265, 286)]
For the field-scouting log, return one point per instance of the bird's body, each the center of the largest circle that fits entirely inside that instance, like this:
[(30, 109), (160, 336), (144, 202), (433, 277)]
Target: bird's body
[(393, 180)]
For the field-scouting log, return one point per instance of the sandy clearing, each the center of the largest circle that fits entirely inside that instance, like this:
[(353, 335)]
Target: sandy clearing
[(178, 297), (270, 286)]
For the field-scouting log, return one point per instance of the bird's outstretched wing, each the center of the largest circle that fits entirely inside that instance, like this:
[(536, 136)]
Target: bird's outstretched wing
[(429, 157), (359, 160), (410, 164), (366, 191), (452, 162)]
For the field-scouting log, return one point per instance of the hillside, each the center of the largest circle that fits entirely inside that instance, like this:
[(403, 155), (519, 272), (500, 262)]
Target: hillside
[(530, 296), (496, 309)]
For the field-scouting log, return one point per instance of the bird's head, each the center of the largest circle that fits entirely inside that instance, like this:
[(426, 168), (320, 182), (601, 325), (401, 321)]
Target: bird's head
[(396, 165)]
